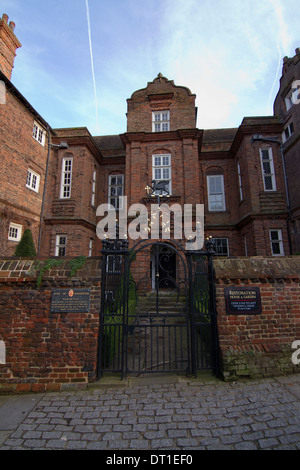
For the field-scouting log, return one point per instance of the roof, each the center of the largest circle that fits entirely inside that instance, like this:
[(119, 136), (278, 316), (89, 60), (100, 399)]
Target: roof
[(219, 135), (110, 145), (14, 91), (218, 140)]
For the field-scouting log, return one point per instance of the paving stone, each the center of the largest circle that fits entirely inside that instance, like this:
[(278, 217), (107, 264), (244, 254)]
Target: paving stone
[(138, 444), (161, 443), (76, 445), (56, 444), (245, 446), (177, 433), (251, 415), (268, 443)]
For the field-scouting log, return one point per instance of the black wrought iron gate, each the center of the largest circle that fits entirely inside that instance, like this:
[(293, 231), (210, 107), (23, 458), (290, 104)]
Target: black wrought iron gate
[(157, 309)]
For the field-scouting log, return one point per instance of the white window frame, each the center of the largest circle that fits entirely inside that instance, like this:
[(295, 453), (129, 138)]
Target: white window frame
[(220, 241), (245, 245), (14, 232), (270, 174), (118, 203), (91, 242), (288, 100), (221, 202), (33, 180), (66, 178), (161, 121), (278, 241), (240, 182), (60, 244), (288, 131), (94, 187), (39, 134), (162, 163)]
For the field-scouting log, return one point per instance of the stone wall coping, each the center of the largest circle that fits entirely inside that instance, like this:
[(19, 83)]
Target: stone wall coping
[(14, 269), (285, 267)]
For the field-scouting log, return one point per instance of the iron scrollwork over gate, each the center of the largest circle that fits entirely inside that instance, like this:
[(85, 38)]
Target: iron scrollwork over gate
[(159, 320)]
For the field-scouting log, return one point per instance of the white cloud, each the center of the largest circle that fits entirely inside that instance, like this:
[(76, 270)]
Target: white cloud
[(225, 51)]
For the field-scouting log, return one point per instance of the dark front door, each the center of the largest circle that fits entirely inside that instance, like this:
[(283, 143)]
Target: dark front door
[(167, 268), (163, 267)]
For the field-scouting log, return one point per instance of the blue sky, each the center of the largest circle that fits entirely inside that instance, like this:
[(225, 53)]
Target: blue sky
[(228, 52)]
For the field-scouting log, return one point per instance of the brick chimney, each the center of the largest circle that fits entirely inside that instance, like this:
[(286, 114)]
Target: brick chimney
[(8, 45)]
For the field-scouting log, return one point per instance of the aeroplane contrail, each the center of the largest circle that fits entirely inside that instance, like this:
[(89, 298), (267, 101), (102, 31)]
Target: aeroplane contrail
[(92, 61)]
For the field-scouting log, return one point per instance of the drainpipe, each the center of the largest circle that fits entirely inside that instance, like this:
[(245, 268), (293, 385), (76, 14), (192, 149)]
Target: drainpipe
[(44, 193)]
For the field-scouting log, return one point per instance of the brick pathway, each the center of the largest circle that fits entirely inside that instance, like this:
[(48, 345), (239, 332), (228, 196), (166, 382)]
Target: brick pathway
[(181, 415)]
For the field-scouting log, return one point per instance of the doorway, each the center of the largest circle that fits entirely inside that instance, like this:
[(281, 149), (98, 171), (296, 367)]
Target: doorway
[(163, 267)]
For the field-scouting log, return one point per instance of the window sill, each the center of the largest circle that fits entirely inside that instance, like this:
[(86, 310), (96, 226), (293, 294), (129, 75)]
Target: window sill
[(223, 211), (31, 189)]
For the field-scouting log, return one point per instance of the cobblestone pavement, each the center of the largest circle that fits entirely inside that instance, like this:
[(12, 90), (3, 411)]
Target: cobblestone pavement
[(157, 415)]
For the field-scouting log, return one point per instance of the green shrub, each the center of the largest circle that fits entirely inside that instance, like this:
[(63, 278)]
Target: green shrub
[(26, 245)]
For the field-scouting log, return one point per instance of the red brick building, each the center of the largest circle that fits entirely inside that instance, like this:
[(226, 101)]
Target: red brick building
[(240, 181), (287, 109), (24, 148)]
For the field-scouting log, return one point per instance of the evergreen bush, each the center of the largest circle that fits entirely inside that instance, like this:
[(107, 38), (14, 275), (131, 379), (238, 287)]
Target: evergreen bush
[(26, 246)]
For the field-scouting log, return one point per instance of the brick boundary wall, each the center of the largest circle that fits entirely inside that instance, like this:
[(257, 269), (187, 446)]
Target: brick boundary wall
[(47, 351), (259, 345), (54, 351)]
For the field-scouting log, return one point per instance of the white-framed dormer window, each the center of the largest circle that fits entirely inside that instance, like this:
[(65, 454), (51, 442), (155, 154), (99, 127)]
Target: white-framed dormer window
[(66, 178), (276, 242), (115, 190), (33, 180), (38, 133), (160, 121), (216, 193), (267, 168), (288, 131), (61, 245), (161, 170), (14, 232)]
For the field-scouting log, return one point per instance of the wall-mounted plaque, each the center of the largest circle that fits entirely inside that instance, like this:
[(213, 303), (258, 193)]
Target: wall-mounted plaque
[(242, 300), (70, 301)]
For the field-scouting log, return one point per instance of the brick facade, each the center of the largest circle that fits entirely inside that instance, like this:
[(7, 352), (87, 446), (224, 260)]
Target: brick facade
[(20, 203), (45, 350), (74, 216), (51, 351), (259, 345), (287, 110), (195, 156)]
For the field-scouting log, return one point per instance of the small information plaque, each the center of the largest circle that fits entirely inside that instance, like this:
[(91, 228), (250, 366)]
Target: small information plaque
[(242, 301), (70, 301)]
